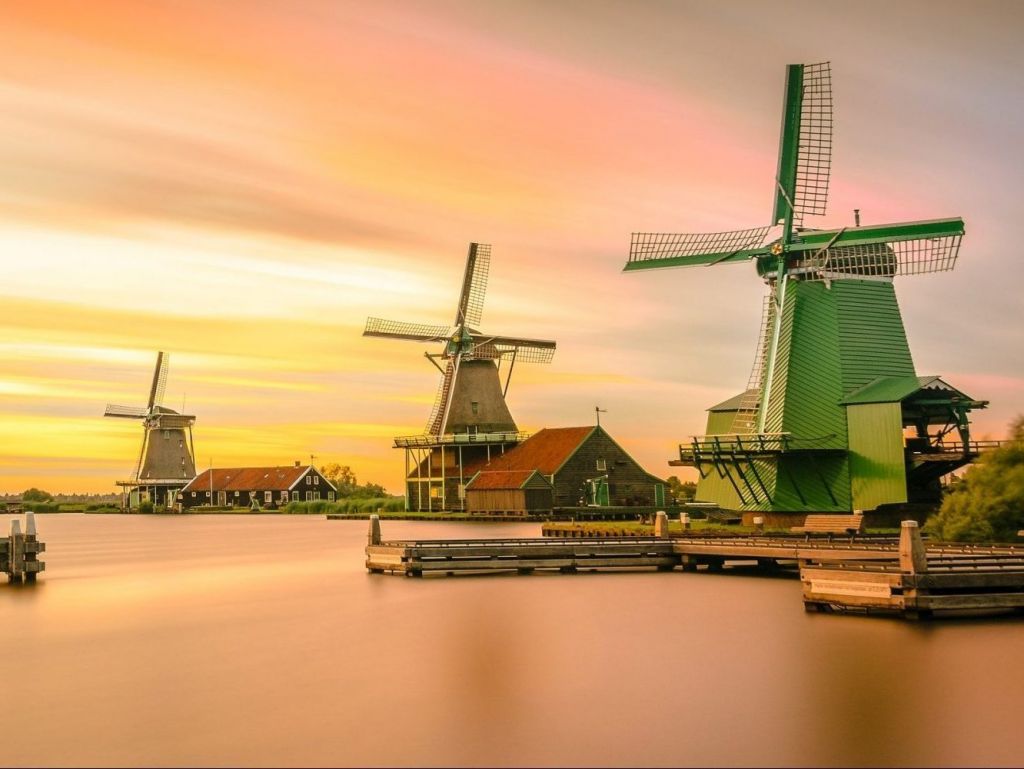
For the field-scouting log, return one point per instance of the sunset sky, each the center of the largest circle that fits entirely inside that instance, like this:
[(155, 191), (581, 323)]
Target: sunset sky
[(243, 183)]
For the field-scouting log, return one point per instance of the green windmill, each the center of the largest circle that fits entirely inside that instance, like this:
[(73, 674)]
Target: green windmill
[(834, 417)]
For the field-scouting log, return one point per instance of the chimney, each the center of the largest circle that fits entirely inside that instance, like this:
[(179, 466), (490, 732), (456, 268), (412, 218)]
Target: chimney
[(298, 463)]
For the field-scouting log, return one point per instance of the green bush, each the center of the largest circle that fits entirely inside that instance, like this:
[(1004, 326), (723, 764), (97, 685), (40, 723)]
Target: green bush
[(146, 507), (43, 507), (988, 504), (352, 505)]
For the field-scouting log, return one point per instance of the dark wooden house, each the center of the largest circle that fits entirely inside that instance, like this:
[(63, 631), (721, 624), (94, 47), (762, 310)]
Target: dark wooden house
[(584, 466), (263, 487)]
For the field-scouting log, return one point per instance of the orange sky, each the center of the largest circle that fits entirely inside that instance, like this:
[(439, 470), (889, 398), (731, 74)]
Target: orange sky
[(242, 183)]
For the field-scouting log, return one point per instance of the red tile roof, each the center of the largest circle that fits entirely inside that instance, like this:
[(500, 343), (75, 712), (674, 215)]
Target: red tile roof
[(500, 479), (248, 478), (545, 451)]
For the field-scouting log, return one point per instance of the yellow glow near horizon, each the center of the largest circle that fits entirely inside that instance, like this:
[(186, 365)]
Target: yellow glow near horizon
[(242, 185)]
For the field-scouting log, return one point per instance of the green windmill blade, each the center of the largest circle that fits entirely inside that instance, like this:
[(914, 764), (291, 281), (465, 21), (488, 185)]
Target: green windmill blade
[(650, 250), (805, 146)]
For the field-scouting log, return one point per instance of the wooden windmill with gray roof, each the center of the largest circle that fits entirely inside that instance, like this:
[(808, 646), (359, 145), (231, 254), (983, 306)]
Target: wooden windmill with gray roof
[(834, 416), (470, 420), (166, 458)]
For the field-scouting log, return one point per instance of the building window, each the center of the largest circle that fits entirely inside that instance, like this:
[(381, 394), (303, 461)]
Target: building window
[(330, 496), (208, 495), (309, 480), (193, 495), (316, 480), (284, 496), (475, 406), (236, 493), (309, 496), (268, 497), (602, 466), (167, 435)]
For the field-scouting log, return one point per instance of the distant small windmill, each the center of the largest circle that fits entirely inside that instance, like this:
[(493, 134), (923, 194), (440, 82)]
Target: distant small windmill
[(821, 423), (166, 457), (470, 413), (470, 396)]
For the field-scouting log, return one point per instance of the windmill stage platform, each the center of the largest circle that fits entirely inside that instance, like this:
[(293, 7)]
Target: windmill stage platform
[(853, 574)]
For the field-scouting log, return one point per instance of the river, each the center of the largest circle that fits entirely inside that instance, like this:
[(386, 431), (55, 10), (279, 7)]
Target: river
[(261, 640)]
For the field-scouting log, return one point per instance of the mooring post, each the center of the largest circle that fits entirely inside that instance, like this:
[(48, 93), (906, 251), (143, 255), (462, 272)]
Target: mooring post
[(913, 559), (16, 552), (373, 538), (684, 521), (759, 524), (661, 524)]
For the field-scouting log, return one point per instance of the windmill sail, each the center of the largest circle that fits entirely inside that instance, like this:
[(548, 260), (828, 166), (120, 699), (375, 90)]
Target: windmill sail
[(156, 391), (436, 420), (525, 350), (649, 249), (416, 332), (474, 285), (805, 146), (126, 412)]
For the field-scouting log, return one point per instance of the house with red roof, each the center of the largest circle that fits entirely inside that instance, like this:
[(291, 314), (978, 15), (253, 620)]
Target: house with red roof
[(263, 487), (563, 467)]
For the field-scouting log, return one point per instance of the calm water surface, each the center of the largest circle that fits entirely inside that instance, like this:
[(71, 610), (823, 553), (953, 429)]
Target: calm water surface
[(261, 640)]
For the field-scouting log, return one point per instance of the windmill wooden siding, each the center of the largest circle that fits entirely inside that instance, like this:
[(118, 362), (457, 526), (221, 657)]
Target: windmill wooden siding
[(571, 458)]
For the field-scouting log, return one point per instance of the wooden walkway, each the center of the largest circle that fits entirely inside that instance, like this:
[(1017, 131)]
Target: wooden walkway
[(19, 552), (850, 574)]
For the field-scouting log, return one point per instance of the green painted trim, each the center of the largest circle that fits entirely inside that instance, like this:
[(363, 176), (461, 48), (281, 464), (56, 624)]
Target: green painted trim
[(879, 233), (697, 260), (789, 141)]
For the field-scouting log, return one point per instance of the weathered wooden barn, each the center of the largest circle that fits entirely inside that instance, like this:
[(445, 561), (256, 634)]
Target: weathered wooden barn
[(520, 491), (581, 465), (264, 487)]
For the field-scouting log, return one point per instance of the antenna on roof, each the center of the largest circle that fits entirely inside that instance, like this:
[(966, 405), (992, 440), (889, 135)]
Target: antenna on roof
[(856, 217), (597, 414)]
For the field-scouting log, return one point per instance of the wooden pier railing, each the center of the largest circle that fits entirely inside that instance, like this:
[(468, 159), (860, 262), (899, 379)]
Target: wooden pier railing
[(19, 552)]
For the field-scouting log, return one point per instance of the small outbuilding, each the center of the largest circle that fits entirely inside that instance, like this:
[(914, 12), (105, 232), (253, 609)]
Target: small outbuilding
[(563, 467), (263, 487), (518, 491)]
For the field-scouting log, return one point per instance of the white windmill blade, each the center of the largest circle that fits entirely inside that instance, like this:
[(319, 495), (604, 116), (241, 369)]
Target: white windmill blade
[(156, 390), (474, 285), (125, 412), (416, 332)]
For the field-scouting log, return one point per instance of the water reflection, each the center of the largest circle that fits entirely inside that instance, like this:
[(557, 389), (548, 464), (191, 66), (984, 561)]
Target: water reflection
[(262, 641)]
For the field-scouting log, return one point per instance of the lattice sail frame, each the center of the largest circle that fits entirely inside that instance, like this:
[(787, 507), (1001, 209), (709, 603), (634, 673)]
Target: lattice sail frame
[(523, 353), (814, 146), (402, 330), (647, 246), (474, 285), (881, 260)]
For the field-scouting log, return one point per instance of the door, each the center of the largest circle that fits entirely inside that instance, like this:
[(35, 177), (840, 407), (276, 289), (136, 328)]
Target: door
[(659, 495), (222, 498)]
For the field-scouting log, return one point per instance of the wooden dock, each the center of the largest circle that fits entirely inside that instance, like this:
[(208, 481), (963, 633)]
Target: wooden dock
[(922, 581), (864, 574), (19, 552)]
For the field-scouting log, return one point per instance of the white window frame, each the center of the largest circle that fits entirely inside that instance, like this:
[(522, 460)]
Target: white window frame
[(284, 496), (602, 466), (309, 496), (268, 497), (316, 480)]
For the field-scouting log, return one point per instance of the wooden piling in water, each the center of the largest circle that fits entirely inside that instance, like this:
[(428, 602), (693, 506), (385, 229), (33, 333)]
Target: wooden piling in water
[(19, 552)]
